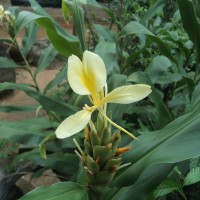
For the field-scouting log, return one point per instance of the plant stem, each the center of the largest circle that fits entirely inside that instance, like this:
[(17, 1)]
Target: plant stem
[(28, 67), (95, 195)]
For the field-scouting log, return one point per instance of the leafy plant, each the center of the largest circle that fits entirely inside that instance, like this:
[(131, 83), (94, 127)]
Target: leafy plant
[(140, 45)]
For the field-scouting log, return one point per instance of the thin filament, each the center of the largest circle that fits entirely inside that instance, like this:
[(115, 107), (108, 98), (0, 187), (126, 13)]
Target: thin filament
[(117, 126)]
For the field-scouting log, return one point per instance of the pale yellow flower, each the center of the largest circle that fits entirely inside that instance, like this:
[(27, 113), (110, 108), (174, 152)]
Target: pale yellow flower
[(7, 15), (1, 12), (89, 78)]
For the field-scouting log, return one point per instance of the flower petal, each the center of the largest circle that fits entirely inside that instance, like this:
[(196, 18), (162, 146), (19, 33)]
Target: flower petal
[(1, 12), (95, 71), (127, 94), (76, 75), (73, 124)]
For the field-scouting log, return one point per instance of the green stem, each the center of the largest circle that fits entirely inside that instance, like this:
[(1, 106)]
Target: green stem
[(28, 67), (95, 195)]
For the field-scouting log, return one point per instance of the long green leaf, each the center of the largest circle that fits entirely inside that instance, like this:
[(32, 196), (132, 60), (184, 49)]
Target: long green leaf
[(147, 182), (46, 102), (13, 108), (65, 163), (78, 19), (60, 76), (58, 191), (29, 132), (29, 38), (108, 52), (178, 141), (64, 43), (190, 23), (46, 58)]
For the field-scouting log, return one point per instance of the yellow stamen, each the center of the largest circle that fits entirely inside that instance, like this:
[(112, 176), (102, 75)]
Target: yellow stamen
[(90, 109), (117, 126)]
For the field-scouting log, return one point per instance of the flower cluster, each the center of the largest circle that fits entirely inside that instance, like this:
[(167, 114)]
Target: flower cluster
[(88, 77), (4, 14)]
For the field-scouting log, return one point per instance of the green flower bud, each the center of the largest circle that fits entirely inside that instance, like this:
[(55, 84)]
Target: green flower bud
[(102, 153), (112, 164), (94, 138), (91, 164), (105, 136), (88, 148), (115, 142), (100, 123)]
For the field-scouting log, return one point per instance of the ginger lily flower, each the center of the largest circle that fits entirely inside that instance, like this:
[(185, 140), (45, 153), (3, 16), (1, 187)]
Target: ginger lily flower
[(1, 13), (89, 78)]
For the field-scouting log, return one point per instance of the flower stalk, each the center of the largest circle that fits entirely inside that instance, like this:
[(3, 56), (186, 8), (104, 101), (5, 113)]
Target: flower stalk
[(101, 159)]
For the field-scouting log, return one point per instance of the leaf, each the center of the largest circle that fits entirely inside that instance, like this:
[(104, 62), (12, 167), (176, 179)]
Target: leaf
[(152, 11), (195, 95), (135, 28), (7, 63), (192, 177), (154, 155), (12, 109), (115, 81), (108, 52), (46, 58), (64, 163), (158, 71), (60, 76), (158, 65), (21, 136), (58, 191), (29, 38), (65, 11), (105, 33), (46, 102), (166, 187), (90, 3), (164, 114), (34, 124), (176, 142), (29, 132), (147, 182), (190, 23), (78, 20), (65, 43)]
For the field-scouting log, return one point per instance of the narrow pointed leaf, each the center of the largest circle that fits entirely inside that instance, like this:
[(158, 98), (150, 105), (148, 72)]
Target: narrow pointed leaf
[(176, 142), (67, 44), (46, 102), (58, 191)]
